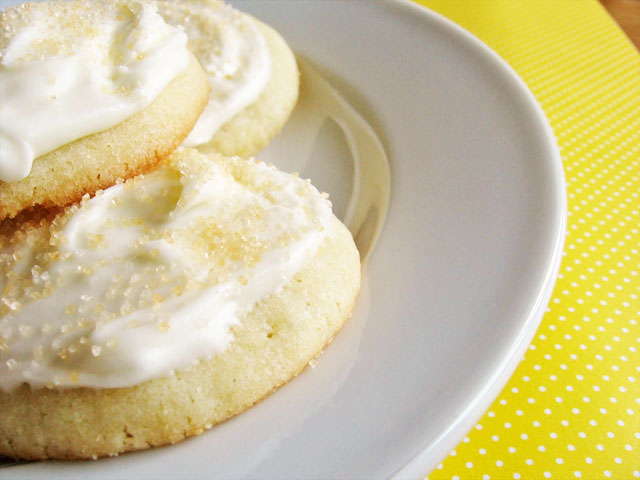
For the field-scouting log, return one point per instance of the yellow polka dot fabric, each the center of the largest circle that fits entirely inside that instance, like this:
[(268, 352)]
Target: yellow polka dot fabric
[(572, 408)]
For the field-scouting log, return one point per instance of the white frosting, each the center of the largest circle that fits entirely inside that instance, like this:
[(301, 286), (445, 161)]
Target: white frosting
[(151, 274), (70, 69), (232, 51)]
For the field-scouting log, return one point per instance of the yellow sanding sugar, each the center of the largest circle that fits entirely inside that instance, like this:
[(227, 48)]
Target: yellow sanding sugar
[(60, 28)]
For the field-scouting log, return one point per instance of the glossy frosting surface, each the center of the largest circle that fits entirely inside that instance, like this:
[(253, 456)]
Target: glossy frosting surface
[(69, 69), (233, 53), (123, 287)]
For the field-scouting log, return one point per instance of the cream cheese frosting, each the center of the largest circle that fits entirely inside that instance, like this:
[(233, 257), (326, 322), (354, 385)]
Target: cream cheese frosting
[(69, 69), (151, 274), (233, 53)]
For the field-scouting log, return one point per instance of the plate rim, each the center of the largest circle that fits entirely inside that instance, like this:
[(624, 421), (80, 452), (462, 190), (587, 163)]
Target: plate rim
[(429, 456)]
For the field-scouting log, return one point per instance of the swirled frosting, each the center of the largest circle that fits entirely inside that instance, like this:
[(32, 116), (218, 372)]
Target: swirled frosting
[(233, 53), (151, 274), (69, 69)]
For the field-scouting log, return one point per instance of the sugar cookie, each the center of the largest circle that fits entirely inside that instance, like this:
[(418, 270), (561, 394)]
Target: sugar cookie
[(253, 73), (165, 305), (90, 91)]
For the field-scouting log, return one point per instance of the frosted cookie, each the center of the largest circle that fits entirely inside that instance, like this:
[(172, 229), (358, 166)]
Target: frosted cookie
[(252, 71), (90, 91), (165, 305)]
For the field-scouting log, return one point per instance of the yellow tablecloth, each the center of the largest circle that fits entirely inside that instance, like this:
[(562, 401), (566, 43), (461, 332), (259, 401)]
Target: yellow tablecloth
[(572, 407)]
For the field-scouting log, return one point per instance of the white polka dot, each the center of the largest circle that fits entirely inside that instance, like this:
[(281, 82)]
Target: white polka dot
[(469, 465)]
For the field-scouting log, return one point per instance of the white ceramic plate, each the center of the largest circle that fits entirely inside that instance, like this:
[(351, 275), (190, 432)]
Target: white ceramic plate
[(457, 283)]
